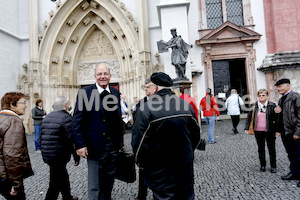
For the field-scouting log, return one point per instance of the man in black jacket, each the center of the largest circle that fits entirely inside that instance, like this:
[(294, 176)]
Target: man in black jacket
[(289, 126), (164, 137), (57, 147)]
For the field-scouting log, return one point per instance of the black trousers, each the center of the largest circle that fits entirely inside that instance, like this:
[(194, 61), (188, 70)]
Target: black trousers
[(182, 193), (261, 138), (142, 194), (235, 120), (5, 188), (59, 182), (292, 148)]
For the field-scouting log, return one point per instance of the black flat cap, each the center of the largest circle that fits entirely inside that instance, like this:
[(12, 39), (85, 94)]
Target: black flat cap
[(282, 81), (161, 79)]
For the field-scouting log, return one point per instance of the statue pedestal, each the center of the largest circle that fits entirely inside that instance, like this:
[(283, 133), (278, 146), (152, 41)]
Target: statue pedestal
[(181, 85)]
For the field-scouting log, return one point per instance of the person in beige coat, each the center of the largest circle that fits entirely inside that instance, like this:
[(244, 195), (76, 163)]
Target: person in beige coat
[(14, 159)]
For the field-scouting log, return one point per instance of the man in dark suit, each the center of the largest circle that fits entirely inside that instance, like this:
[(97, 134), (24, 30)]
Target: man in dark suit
[(97, 132), (289, 126)]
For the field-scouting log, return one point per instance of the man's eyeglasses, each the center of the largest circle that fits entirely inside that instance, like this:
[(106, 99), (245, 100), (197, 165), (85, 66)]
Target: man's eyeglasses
[(22, 102), (146, 87)]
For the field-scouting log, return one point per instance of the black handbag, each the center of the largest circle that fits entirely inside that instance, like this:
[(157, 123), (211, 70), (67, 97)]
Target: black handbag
[(125, 170), (201, 145)]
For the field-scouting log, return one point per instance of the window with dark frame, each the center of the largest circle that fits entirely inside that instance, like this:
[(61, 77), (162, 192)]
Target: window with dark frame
[(214, 12)]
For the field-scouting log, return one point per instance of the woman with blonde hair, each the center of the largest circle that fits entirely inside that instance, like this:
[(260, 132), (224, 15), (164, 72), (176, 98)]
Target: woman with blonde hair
[(14, 159), (264, 125)]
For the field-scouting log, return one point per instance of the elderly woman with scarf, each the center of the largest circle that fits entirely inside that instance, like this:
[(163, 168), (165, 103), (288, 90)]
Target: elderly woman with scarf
[(264, 124), (14, 159)]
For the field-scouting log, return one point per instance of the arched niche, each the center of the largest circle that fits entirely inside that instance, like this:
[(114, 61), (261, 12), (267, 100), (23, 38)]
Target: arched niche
[(66, 36)]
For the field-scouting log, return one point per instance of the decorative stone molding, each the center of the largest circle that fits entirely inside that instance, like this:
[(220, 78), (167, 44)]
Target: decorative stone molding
[(100, 20), (122, 54), (40, 36), (71, 21), (281, 60), (158, 67), (75, 38), (58, 4), (94, 4), (109, 16), (113, 34), (45, 24), (61, 39), (129, 53), (136, 28), (66, 81), (85, 6), (98, 46), (121, 32), (51, 13), (67, 59), (130, 16), (86, 21), (25, 67), (122, 6), (55, 59)]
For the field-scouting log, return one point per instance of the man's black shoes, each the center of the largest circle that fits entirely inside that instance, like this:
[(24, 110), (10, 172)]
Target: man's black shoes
[(298, 184), (273, 170), (262, 168), (290, 176)]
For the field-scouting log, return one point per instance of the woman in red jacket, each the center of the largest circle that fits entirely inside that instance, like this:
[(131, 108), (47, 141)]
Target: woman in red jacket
[(210, 109)]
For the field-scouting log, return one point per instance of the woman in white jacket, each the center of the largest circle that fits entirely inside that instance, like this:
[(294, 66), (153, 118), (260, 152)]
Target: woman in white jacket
[(233, 104)]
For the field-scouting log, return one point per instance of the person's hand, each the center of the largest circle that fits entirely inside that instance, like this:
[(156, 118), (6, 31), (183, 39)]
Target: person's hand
[(277, 109), (217, 118), (247, 131), (44, 116), (83, 152), (76, 160), (296, 137), (12, 191), (76, 163), (277, 134)]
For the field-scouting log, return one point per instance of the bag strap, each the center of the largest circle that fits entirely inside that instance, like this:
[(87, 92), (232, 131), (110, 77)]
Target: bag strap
[(252, 118), (210, 104)]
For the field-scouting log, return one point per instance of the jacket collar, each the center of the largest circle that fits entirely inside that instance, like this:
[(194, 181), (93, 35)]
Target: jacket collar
[(9, 112), (164, 92)]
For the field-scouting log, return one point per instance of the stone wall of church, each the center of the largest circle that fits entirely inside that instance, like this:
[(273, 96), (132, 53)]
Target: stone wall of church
[(14, 46)]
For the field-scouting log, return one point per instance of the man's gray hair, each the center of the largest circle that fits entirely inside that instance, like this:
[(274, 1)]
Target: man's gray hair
[(147, 81), (59, 103)]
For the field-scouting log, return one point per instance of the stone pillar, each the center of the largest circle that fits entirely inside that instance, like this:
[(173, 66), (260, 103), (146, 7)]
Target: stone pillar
[(34, 72), (144, 45), (174, 14), (270, 86)]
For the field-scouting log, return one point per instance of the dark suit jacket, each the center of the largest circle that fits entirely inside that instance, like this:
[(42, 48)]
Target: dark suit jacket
[(88, 124)]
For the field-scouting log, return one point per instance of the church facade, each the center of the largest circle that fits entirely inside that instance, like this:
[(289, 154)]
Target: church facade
[(53, 47)]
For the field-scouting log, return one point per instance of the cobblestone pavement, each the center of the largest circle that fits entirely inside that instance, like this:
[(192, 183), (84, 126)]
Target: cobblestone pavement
[(228, 169)]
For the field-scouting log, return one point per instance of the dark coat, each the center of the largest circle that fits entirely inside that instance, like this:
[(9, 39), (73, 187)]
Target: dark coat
[(164, 141), (137, 107), (272, 117), (37, 115), (56, 138), (88, 125), (291, 113)]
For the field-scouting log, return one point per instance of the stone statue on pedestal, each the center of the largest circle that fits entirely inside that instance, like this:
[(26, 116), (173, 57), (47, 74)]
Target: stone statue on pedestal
[(179, 53)]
